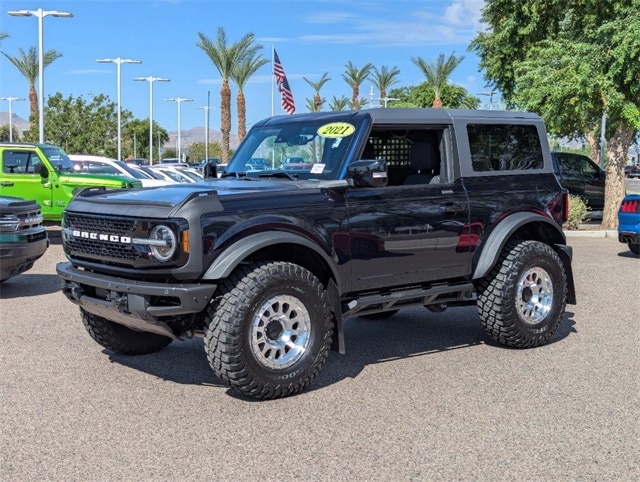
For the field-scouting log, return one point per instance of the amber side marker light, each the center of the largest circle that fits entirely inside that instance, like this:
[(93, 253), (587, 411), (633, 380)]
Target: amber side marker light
[(185, 241)]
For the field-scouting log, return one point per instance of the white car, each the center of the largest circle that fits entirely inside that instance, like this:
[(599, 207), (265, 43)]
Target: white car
[(89, 164), (177, 174)]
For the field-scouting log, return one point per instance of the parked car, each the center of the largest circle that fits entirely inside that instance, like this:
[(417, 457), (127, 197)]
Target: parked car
[(45, 173), (155, 174), (137, 161), (89, 164), (581, 177), (23, 238), (632, 171), (173, 173), (629, 222)]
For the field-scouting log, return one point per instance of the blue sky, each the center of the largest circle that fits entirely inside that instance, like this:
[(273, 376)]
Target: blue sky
[(311, 37)]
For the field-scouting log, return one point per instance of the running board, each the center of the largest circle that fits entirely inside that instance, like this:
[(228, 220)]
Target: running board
[(438, 295)]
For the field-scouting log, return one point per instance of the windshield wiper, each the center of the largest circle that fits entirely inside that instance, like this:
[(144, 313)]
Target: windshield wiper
[(284, 174)]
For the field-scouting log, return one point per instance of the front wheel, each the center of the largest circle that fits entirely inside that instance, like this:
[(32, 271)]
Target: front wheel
[(121, 339), (522, 301), (269, 330)]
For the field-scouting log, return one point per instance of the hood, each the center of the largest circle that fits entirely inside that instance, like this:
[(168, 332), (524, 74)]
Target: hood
[(166, 201)]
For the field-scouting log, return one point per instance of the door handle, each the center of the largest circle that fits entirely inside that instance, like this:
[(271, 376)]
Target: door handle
[(6, 184)]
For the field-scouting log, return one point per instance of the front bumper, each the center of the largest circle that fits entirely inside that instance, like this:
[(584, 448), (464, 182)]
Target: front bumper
[(139, 305), (18, 256)]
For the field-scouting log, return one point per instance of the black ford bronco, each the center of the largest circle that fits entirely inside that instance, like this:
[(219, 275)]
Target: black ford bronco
[(383, 209)]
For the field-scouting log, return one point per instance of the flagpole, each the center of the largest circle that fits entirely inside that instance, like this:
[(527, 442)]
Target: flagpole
[(272, 76)]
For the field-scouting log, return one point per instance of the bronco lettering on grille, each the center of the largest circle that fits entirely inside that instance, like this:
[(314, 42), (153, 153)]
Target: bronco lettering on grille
[(112, 238)]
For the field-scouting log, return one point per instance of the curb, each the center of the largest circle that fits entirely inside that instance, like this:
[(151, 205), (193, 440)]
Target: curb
[(602, 233)]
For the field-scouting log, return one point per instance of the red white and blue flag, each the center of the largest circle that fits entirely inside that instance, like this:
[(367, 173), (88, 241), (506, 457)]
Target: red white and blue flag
[(283, 85)]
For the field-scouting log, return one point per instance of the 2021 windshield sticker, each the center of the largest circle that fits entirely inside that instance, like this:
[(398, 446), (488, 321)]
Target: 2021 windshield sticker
[(336, 130)]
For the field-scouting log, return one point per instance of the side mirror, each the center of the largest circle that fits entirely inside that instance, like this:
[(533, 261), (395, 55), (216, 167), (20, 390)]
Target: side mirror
[(42, 170), (368, 173)]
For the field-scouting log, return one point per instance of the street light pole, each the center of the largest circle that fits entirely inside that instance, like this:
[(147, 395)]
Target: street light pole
[(179, 100), (40, 14), (10, 99), (206, 109), (151, 80), (118, 61)]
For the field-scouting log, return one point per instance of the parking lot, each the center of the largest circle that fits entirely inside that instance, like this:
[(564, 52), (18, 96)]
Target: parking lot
[(420, 396)]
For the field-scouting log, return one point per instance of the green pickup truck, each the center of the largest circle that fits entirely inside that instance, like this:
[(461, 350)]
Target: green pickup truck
[(44, 173)]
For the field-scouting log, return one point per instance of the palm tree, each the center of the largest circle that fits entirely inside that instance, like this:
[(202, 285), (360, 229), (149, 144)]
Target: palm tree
[(28, 65), (385, 78), (318, 101), (3, 35), (225, 57), (246, 67), (339, 103), (313, 105), (437, 73), (354, 77)]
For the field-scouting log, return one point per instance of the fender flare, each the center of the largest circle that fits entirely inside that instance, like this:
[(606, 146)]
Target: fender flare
[(237, 252), (493, 245)]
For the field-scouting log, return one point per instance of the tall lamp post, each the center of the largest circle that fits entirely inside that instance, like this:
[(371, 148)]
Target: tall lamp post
[(151, 80), (40, 14), (10, 99), (179, 100), (118, 61), (206, 108)]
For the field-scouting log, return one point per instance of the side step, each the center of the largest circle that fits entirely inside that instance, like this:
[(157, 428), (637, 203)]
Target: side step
[(436, 295)]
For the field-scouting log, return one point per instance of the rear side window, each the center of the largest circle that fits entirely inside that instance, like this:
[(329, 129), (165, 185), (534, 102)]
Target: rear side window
[(504, 147)]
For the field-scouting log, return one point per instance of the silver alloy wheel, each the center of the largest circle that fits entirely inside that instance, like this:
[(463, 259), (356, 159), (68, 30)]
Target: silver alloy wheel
[(534, 295), (280, 332)]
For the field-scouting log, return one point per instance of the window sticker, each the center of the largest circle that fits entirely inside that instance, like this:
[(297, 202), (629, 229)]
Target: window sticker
[(336, 130), (317, 168)]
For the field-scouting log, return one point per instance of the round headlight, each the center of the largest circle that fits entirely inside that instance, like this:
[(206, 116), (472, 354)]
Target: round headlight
[(163, 242)]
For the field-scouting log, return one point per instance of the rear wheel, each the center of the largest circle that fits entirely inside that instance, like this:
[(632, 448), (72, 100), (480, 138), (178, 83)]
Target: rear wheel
[(522, 301), (635, 248), (269, 330), (121, 339)]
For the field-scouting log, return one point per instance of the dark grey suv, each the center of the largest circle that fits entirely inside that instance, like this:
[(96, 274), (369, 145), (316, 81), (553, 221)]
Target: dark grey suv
[(581, 177)]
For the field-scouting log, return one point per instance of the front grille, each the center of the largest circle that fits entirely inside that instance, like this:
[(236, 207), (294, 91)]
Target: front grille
[(98, 249)]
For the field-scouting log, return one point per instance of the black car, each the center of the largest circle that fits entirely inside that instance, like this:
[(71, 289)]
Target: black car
[(581, 177), (632, 172)]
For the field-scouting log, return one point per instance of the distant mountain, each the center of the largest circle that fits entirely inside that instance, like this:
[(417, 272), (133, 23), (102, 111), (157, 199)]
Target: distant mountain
[(17, 121), (197, 134)]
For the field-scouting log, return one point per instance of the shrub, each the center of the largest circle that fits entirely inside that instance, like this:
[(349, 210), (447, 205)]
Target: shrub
[(578, 210)]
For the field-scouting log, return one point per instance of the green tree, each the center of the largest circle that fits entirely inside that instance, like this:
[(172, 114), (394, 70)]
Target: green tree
[(423, 95), (80, 126), (197, 150), (135, 138), (28, 65), (354, 77), (224, 57), (384, 78), (437, 73), (570, 61), (4, 133), (339, 103), (318, 101), (251, 60)]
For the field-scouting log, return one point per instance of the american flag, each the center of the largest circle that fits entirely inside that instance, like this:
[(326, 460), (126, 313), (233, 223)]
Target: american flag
[(283, 85)]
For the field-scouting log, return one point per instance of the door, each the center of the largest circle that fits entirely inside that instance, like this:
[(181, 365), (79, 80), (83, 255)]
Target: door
[(20, 178), (401, 235)]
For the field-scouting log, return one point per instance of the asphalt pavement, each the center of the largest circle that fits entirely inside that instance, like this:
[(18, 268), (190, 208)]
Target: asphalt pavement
[(421, 396)]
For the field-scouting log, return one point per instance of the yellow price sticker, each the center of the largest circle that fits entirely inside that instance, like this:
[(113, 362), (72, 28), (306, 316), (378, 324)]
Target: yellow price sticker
[(336, 129)]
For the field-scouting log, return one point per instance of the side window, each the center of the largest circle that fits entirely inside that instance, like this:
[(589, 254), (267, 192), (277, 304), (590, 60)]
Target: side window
[(504, 147), (588, 167), (16, 162), (413, 156), (571, 165), (100, 168)]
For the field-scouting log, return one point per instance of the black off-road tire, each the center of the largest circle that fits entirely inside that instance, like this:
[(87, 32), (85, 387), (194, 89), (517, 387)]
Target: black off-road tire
[(258, 308), (121, 339), (634, 248), (522, 301)]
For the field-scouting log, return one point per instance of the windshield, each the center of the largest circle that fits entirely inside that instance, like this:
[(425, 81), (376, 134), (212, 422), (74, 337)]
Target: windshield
[(58, 158), (309, 149)]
